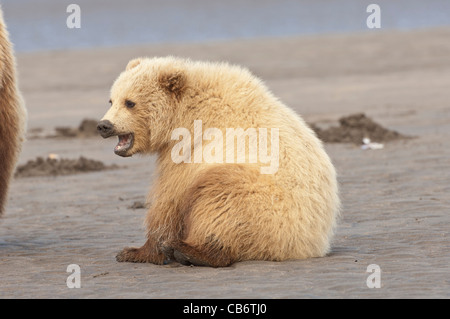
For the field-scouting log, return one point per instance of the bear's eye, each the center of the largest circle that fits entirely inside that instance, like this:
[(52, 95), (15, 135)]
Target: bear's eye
[(110, 102), (129, 104)]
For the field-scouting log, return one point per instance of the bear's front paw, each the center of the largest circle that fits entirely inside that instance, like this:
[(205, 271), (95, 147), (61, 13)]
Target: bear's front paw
[(141, 255), (130, 254)]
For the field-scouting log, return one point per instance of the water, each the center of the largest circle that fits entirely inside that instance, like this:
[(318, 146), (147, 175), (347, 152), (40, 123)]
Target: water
[(41, 24)]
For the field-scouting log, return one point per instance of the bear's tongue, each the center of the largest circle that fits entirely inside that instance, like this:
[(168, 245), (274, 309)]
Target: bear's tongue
[(124, 142)]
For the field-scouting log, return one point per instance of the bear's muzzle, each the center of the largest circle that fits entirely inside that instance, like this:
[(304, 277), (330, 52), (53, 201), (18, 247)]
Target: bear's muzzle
[(105, 128)]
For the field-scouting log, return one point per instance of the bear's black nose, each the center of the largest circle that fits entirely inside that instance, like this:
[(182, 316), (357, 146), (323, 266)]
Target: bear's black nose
[(105, 128)]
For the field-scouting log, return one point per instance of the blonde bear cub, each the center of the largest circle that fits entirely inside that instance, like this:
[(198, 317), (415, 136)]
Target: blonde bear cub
[(232, 208)]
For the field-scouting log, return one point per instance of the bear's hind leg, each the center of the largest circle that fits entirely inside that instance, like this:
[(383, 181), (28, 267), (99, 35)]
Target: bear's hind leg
[(208, 255), (219, 212)]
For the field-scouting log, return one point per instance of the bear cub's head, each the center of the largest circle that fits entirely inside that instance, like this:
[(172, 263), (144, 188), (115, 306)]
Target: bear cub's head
[(144, 101)]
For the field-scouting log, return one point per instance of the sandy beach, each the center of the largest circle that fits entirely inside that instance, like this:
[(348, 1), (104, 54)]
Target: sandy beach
[(396, 201)]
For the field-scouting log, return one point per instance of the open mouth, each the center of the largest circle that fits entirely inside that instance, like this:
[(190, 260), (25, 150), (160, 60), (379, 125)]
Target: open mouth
[(125, 143)]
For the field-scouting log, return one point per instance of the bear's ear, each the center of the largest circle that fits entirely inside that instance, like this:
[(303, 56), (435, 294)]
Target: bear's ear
[(133, 63), (173, 82)]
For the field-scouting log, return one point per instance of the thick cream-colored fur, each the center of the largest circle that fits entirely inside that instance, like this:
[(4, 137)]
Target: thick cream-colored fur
[(12, 114), (217, 214)]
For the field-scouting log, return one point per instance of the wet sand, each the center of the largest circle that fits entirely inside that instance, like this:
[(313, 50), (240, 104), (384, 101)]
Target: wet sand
[(396, 201)]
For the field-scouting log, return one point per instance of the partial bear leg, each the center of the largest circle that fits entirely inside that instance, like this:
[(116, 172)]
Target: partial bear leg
[(149, 253), (7, 160)]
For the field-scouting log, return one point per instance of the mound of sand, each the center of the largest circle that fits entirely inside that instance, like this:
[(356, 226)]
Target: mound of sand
[(138, 205), (55, 167), (87, 128), (354, 128)]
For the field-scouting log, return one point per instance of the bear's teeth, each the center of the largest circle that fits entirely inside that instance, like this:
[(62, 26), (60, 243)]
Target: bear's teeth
[(124, 139), (125, 142)]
